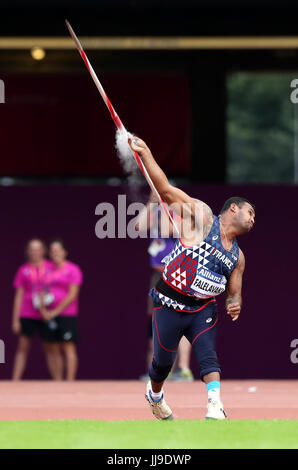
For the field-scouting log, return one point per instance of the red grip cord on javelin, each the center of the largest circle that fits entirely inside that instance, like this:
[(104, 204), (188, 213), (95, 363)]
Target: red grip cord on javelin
[(116, 118)]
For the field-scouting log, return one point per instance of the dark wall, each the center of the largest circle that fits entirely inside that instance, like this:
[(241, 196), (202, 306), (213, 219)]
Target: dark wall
[(116, 277), (150, 17), (49, 121)]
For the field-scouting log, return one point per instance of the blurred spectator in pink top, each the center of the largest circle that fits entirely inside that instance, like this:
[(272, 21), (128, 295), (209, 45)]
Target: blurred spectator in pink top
[(29, 281), (63, 282)]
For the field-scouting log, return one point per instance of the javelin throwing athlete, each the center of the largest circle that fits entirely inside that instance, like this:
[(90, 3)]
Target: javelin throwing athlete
[(205, 262)]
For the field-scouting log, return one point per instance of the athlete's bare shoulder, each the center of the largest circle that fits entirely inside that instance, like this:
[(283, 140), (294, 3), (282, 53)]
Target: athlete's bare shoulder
[(207, 217)]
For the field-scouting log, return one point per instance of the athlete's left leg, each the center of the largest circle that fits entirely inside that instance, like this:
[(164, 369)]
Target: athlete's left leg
[(202, 335)]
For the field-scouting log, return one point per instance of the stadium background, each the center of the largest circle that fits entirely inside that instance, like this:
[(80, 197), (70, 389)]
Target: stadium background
[(58, 162)]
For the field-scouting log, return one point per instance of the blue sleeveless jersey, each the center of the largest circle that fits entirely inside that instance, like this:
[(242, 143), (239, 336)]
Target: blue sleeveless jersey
[(201, 271)]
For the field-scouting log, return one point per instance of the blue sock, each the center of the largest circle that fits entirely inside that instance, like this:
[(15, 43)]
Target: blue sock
[(213, 386)]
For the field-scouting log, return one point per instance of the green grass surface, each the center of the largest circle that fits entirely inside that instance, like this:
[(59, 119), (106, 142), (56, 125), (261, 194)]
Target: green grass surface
[(83, 434)]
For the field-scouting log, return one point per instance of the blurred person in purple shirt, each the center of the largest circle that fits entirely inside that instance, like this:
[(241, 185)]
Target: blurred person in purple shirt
[(150, 220)]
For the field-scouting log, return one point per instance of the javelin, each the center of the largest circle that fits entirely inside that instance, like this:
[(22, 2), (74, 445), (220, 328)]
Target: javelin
[(117, 120)]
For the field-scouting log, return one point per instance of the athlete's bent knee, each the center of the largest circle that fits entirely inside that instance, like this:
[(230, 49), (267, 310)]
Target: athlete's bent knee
[(159, 373)]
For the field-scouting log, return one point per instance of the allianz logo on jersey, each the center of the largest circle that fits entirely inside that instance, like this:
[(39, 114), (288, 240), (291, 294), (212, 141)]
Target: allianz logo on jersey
[(211, 275)]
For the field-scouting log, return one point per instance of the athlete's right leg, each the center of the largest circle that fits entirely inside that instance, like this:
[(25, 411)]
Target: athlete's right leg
[(167, 332), (167, 325)]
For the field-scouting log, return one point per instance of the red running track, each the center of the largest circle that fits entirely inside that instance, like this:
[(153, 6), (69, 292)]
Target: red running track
[(124, 400)]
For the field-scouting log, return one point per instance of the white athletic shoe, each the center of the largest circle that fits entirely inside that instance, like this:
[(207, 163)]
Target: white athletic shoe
[(215, 410), (159, 408)]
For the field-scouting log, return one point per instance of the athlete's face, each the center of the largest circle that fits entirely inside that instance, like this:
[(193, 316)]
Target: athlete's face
[(245, 217)]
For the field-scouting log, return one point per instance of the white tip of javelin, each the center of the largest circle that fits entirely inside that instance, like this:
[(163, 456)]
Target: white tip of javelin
[(73, 35)]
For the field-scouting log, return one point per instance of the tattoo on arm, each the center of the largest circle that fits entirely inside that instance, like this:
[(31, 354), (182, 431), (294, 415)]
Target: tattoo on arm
[(236, 298), (209, 220)]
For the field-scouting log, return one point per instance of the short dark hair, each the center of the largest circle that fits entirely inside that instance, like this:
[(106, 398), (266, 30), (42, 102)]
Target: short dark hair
[(239, 201), (60, 241)]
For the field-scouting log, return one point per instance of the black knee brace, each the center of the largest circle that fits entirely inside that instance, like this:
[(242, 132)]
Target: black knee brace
[(159, 373)]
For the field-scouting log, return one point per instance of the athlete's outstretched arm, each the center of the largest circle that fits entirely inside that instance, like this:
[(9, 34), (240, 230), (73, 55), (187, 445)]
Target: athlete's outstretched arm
[(170, 194), (234, 288), (195, 214)]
